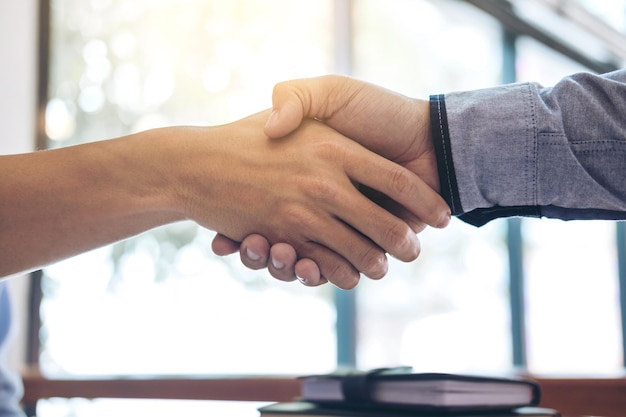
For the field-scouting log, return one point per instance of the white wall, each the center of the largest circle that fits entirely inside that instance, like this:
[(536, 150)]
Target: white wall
[(18, 59)]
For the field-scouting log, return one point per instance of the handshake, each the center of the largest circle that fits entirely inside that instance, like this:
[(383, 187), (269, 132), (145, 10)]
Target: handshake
[(336, 176), (347, 174), (339, 174)]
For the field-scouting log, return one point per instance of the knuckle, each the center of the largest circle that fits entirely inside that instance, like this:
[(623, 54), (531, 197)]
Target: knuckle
[(402, 242), (342, 275), (374, 263), (326, 147), (400, 181), (296, 216), (321, 188), (289, 86), (418, 226)]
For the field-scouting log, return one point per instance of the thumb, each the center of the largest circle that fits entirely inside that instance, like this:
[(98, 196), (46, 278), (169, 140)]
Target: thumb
[(286, 116), (292, 101)]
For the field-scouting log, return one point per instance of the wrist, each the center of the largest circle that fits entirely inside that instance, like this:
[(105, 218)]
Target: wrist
[(425, 136), (419, 155), (154, 184)]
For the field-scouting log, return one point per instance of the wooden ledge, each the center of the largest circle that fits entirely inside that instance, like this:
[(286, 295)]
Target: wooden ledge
[(256, 388), (571, 396), (584, 396)]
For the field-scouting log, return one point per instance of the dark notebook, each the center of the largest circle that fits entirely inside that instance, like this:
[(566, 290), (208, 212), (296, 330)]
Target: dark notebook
[(401, 388)]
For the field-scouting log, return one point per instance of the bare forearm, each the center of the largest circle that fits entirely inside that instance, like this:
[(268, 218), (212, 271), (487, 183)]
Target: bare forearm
[(59, 203)]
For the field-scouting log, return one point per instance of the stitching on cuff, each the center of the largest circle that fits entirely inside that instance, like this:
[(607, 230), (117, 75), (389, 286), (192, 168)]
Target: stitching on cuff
[(448, 187), (445, 155)]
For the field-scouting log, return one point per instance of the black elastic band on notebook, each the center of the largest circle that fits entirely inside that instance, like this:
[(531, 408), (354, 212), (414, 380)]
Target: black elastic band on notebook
[(356, 386)]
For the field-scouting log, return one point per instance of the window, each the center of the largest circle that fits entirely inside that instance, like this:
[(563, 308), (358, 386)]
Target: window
[(161, 303)]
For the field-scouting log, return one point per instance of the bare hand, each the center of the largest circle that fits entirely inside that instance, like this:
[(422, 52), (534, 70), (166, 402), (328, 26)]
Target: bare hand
[(308, 200), (385, 122)]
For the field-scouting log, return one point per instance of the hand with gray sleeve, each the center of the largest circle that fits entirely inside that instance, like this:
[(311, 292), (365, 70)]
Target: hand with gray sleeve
[(512, 150)]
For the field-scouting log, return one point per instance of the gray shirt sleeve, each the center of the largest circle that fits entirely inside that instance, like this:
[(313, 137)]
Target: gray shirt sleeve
[(522, 149)]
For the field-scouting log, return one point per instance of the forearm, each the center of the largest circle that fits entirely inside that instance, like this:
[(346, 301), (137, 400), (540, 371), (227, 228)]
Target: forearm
[(59, 203), (526, 150)]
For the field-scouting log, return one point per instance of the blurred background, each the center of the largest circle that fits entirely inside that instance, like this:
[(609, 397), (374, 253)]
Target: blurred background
[(540, 295)]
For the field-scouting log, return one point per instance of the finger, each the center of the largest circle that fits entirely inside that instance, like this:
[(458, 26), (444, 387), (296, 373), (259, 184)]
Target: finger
[(254, 251), (308, 273), (341, 240), (284, 119), (394, 208), (282, 260), (387, 231), (399, 184), (401, 212), (366, 223), (223, 246), (332, 267)]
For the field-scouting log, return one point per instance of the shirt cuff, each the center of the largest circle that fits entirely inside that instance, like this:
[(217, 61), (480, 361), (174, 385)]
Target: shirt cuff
[(449, 188), (470, 191), (524, 150)]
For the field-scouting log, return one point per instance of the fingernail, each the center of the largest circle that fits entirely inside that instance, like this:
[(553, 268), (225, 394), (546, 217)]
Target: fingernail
[(277, 265), (302, 280), (252, 255), (272, 119)]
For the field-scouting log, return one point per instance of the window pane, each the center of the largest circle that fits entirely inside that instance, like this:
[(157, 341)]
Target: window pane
[(162, 303), (613, 12), (572, 296), (449, 309), (421, 47), (538, 63)]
